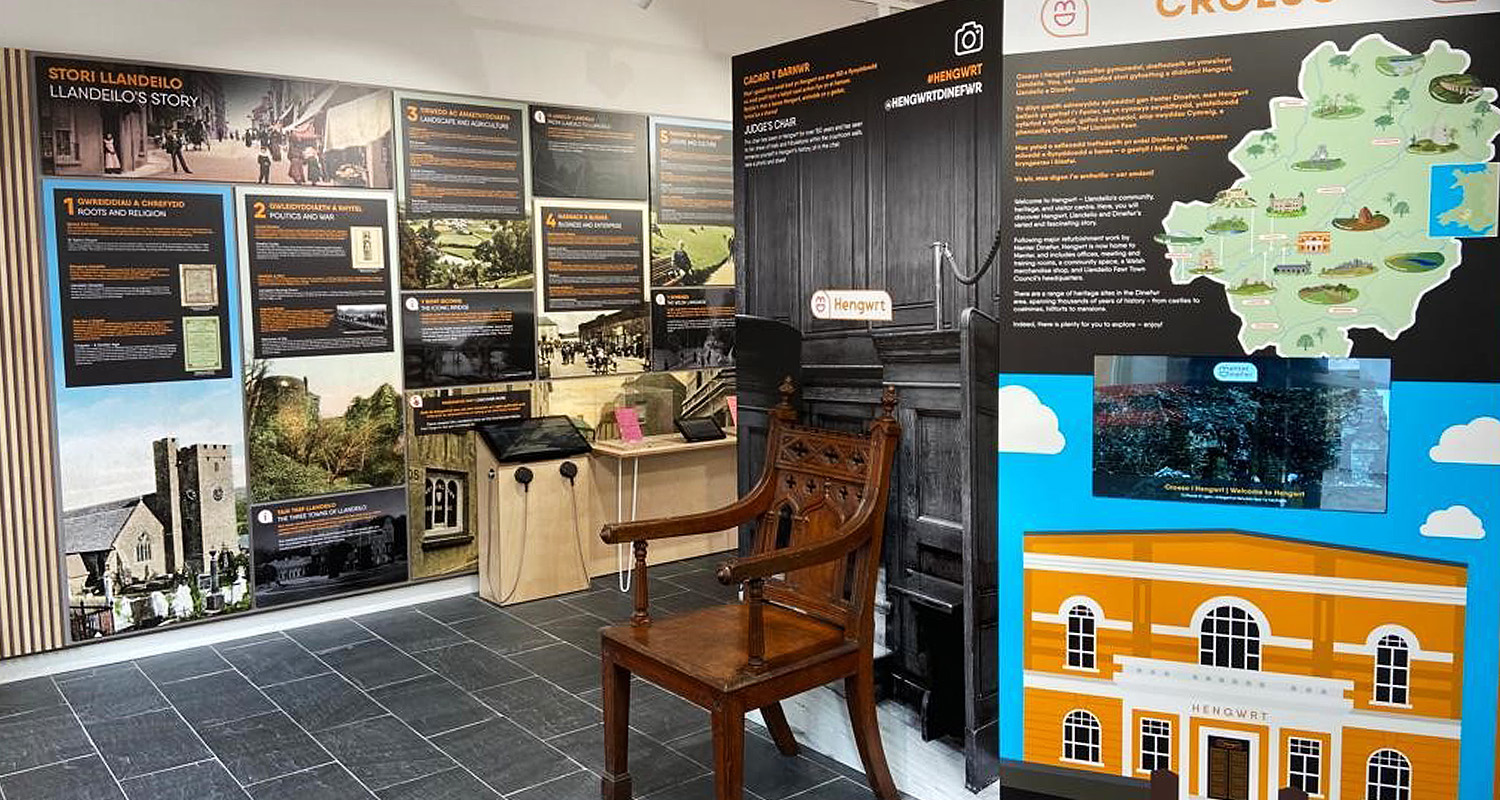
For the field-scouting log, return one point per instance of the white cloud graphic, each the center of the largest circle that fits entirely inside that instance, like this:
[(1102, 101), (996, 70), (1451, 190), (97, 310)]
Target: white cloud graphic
[(1476, 442), (1026, 424), (1453, 522)]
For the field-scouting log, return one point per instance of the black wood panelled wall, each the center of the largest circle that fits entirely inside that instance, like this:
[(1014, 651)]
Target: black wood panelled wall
[(864, 217)]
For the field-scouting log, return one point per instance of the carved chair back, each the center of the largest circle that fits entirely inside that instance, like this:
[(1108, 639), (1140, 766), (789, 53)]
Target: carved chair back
[(823, 484)]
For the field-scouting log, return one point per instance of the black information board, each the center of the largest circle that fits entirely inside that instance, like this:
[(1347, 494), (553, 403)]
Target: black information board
[(457, 413), (143, 286), (582, 153), (321, 546), (692, 328), (320, 274), (693, 175), (462, 160), (593, 258), (458, 338)]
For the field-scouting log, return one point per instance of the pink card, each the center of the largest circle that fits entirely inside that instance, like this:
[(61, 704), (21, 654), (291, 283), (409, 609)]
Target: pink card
[(630, 425), (734, 411)]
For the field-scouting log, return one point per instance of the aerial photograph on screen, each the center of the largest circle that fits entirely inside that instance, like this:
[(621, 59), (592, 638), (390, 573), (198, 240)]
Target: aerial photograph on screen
[(1310, 433)]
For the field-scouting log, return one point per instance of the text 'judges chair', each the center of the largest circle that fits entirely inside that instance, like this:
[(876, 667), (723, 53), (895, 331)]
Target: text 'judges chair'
[(808, 613)]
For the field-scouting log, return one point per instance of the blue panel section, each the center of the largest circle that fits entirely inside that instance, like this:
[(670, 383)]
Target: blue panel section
[(49, 223), (104, 432), (1054, 493)]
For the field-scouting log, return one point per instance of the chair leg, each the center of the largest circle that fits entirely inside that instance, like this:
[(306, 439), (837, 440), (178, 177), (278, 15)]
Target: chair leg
[(781, 732), (859, 691), (615, 785), (729, 752)]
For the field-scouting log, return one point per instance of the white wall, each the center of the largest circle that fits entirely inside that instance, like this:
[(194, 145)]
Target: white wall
[(670, 59)]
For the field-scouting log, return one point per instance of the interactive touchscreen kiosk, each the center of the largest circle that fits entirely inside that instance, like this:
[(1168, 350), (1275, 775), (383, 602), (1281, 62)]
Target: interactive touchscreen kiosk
[(534, 439)]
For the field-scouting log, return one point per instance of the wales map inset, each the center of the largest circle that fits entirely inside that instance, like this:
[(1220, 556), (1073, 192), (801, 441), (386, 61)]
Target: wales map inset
[(1465, 200), (1353, 201)]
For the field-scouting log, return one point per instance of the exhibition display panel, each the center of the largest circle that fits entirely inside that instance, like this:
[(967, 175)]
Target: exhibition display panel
[(859, 149), (1248, 377), (283, 311), (1239, 324)]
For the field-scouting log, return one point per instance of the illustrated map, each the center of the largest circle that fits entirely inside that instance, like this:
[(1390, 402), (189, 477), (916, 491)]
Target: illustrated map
[(1355, 201)]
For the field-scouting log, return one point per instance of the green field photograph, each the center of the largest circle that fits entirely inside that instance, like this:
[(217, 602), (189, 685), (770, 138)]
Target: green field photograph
[(691, 255), (466, 254)]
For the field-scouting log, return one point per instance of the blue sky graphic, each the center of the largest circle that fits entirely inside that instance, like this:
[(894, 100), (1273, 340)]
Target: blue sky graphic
[(1055, 493)]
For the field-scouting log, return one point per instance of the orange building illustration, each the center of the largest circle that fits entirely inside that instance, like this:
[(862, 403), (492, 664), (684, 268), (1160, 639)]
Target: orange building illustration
[(1314, 242), (1244, 664)]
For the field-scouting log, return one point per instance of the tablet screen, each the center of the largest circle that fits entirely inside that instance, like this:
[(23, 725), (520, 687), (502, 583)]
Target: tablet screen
[(700, 429)]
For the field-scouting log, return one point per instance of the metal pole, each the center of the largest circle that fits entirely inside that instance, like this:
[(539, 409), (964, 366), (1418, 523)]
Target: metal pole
[(938, 248)]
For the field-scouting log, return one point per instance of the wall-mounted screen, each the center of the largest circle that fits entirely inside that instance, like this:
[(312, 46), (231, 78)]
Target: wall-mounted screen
[(1310, 433)]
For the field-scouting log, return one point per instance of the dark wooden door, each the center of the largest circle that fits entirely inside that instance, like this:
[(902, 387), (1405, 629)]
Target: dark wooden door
[(925, 527), (1228, 769)]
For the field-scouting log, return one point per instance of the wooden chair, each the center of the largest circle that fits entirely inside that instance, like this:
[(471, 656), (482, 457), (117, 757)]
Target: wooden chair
[(808, 613)]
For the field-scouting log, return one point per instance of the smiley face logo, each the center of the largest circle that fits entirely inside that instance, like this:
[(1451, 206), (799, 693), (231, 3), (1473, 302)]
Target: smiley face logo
[(1066, 18), (820, 304)]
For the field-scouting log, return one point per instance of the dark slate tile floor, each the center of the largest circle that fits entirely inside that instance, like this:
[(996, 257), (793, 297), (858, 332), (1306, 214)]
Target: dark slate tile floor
[(451, 700)]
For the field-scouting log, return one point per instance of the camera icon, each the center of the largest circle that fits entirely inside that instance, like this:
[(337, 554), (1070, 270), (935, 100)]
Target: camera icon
[(968, 39)]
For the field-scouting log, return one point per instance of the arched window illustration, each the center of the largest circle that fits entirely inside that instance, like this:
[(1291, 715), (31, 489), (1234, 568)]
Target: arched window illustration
[(1388, 777), (443, 495), (1392, 670), (1229, 637), (1082, 639), (427, 486), (1081, 737), (143, 549), (450, 509)]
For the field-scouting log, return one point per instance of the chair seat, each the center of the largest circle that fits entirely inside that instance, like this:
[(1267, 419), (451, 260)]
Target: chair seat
[(711, 645)]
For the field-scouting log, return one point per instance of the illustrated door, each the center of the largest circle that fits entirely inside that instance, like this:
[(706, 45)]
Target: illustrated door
[(1228, 769)]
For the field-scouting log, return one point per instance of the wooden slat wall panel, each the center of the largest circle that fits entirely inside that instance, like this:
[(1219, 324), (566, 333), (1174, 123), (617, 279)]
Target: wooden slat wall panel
[(30, 602)]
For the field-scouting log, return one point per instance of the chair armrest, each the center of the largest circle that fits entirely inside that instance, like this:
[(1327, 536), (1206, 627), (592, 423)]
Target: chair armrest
[(759, 567), (731, 516), (641, 533), (747, 508)]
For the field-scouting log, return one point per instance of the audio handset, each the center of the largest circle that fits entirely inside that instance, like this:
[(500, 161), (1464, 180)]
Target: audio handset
[(524, 476), (569, 471)]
